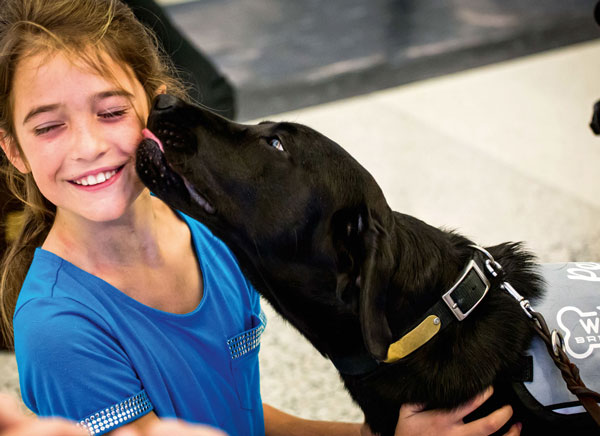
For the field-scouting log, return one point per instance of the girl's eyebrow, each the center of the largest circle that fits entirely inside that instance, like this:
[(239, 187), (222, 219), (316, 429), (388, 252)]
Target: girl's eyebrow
[(112, 93), (38, 110), (96, 97)]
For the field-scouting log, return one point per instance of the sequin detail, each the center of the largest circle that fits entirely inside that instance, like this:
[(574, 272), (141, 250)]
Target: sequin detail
[(114, 416), (244, 343)]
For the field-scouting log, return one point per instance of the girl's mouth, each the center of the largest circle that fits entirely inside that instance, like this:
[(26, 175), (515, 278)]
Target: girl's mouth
[(100, 179)]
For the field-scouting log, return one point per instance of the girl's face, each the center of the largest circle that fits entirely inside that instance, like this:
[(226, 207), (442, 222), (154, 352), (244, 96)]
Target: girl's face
[(79, 132)]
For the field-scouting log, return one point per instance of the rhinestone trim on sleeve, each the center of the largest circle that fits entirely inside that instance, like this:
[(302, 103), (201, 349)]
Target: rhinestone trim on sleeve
[(116, 415), (247, 341)]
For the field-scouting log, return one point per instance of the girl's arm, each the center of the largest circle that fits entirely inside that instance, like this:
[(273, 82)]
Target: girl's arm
[(13, 422), (139, 426), (278, 423), (152, 425), (411, 422)]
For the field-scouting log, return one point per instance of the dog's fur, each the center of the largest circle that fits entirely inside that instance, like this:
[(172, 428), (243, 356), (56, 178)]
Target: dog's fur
[(314, 234)]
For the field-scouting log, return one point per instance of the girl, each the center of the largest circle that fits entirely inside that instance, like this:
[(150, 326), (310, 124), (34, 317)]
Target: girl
[(127, 311)]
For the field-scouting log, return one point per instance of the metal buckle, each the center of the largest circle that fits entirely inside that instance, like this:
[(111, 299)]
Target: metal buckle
[(453, 305)]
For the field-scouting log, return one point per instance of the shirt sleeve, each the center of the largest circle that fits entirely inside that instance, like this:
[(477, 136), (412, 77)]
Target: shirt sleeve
[(255, 304), (71, 365)]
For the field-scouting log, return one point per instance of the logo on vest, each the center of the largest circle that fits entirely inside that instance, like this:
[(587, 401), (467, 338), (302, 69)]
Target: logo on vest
[(581, 330), (586, 271)]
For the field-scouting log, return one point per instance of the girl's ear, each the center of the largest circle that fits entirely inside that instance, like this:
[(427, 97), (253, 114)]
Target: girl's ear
[(12, 153)]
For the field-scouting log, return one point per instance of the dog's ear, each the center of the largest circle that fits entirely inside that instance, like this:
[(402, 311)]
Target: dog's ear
[(375, 275), (365, 261), (347, 233)]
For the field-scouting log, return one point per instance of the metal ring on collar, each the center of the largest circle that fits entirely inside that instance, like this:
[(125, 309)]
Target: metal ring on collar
[(484, 251)]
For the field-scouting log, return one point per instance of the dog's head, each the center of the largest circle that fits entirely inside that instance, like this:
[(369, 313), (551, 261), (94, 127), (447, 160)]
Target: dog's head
[(302, 216)]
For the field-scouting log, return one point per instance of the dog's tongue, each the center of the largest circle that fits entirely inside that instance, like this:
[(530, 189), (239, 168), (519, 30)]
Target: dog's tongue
[(148, 134)]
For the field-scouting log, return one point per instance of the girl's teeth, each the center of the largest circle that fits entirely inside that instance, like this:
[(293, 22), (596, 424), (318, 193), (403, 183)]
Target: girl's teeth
[(94, 180)]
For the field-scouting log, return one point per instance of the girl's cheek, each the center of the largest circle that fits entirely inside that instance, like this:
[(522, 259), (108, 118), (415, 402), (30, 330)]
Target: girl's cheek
[(127, 138)]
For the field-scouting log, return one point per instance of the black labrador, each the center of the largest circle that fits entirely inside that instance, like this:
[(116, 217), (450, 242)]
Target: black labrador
[(407, 312)]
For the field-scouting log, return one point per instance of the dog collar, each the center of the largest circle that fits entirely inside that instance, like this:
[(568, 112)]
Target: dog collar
[(454, 305)]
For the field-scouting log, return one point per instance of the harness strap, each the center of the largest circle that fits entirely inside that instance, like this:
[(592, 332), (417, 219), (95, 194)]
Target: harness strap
[(554, 343), (570, 372)]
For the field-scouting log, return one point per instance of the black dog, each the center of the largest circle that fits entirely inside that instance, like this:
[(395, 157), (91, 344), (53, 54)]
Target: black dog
[(314, 234)]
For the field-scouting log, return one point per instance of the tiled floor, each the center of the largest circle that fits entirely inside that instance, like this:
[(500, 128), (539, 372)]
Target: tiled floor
[(499, 153)]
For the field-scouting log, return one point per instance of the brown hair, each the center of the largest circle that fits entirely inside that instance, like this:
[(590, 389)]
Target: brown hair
[(29, 27)]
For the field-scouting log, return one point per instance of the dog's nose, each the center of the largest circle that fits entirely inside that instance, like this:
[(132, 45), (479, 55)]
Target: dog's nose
[(164, 101)]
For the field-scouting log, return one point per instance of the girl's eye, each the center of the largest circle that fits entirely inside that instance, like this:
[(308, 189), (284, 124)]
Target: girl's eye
[(45, 129), (276, 143), (113, 113)]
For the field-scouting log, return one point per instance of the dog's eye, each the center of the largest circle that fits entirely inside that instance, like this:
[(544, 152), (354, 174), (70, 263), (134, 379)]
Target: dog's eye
[(276, 143)]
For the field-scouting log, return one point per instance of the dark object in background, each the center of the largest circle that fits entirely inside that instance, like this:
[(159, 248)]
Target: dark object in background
[(595, 123), (8, 205), (210, 87)]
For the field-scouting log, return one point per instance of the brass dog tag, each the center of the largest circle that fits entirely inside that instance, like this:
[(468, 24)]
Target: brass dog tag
[(414, 339)]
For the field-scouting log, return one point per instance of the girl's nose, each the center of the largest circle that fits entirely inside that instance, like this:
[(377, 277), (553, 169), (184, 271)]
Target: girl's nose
[(88, 144)]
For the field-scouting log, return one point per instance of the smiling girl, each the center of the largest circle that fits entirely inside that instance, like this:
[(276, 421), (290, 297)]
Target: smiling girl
[(109, 328), (124, 310)]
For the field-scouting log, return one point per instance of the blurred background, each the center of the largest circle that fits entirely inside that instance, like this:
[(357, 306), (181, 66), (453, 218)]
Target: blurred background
[(471, 114), (287, 54)]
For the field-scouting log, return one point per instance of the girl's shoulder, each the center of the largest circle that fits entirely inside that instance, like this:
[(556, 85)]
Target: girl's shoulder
[(53, 287), (56, 311), (42, 276)]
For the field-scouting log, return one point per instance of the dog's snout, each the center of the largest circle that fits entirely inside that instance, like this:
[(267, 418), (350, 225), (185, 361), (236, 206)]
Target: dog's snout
[(164, 101)]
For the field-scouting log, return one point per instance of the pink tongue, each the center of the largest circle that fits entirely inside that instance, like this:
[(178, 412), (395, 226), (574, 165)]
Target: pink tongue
[(148, 134)]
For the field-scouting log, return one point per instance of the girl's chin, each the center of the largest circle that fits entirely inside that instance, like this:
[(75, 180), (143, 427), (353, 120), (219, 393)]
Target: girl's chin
[(109, 211), (108, 206)]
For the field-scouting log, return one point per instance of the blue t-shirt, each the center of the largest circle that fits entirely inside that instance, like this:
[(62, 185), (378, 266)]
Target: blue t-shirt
[(88, 352)]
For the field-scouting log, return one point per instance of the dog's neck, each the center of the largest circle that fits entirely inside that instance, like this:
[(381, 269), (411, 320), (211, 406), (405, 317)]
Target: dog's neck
[(423, 276), (425, 268), (423, 271)]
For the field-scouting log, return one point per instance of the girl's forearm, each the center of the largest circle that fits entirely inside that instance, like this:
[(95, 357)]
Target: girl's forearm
[(278, 423)]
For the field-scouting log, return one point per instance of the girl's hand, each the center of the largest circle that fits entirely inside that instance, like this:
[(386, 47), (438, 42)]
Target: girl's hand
[(14, 423), (10, 414), (170, 427), (413, 421)]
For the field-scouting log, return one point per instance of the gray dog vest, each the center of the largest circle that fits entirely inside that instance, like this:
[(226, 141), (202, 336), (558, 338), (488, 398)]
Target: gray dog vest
[(572, 306)]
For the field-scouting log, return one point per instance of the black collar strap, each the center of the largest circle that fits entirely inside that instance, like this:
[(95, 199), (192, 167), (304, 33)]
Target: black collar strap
[(455, 305)]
